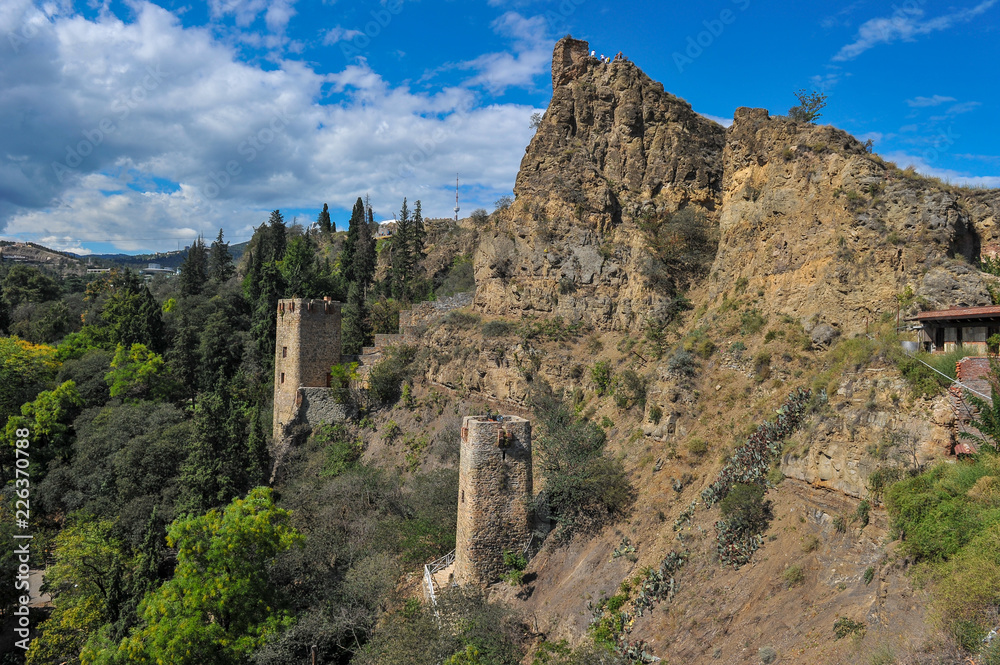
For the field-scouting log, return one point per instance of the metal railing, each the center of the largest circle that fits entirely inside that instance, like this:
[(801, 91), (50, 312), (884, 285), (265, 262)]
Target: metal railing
[(433, 567)]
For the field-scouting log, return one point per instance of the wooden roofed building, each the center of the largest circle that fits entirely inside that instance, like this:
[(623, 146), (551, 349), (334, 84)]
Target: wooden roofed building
[(945, 330)]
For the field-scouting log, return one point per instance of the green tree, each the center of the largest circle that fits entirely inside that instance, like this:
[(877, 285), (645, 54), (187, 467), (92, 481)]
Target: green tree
[(220, 605), (348, 251), (220, 261), (216, 469), (49, 418), (194, 269), (87, 559), (584, 489), (400, 259), (131, 314), (25, 370), (138, 373), (125, 463), (23, 284), (365, 258), (809, 106), (298, 268), (355, 325), (323, 220)]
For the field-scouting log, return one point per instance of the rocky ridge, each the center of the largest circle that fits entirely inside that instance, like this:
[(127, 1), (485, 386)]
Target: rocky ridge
[(829, 232)]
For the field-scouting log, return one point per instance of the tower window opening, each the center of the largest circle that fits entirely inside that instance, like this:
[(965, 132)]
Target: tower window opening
[(291, 306), (284, 352), (282, 377)]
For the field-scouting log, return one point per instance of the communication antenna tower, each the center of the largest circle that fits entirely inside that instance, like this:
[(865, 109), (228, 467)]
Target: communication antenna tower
[(456, 197)]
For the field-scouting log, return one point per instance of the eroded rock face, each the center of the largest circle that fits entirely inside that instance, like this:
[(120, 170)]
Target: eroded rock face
[(612, 149), (827, 232), (830, 234)]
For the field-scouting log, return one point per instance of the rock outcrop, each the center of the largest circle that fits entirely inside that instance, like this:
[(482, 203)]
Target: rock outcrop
[(830, 234), (821, 229), (612, 149)]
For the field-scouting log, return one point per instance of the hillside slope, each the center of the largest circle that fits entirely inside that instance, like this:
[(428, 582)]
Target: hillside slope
[(805, 249)]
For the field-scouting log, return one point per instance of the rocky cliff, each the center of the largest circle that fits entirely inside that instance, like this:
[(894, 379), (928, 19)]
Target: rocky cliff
[(828, 232), (612, 150)]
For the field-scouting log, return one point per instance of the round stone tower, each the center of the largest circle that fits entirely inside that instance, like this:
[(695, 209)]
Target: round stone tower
[(494, 496)]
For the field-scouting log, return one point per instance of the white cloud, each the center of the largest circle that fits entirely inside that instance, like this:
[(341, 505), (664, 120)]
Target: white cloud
[(119, 106), (964, 107), (921, 102), (906, 24), (532, 54), (339, 34), (904, 160), (725, 122)]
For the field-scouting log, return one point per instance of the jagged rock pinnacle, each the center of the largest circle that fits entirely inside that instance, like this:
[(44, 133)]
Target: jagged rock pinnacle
[(569, 60)]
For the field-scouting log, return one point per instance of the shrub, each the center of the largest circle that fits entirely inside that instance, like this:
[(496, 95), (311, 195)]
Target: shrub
[(843, 627), (682, 363), (862, 513), (745, 509), (630, 389), (342, 379), (583, 488), (810, 544), (459, 319), (655, 414), (606, 422), (601, 374), (497, 328), (767, 655), (793, 575), (762, 366), (342, 450), (809, 106), (386, 377), (751, 322), (697, 447), (869, 575)]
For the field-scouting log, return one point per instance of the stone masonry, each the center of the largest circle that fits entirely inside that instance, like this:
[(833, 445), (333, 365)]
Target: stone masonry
[(494, 495), (307, 345)]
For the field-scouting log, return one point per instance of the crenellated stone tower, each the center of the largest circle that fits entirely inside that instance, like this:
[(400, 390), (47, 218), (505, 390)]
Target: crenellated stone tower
[(307, 345), (494, 495)]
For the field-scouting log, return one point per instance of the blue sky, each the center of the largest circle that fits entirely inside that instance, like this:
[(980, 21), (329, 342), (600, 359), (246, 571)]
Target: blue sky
[(131, 126)]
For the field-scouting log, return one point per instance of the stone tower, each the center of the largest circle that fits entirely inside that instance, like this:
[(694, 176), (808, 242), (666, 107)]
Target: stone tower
[(306, 346), (494, 493)]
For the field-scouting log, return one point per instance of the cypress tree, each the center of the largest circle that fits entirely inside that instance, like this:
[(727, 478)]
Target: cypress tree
[(194, 270), (355, 329), (400, 259), (220, 261), (351, 242), (364, 258), (323, 221)]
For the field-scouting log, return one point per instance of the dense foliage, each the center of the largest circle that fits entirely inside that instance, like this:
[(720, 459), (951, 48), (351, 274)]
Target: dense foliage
[(149, 406)]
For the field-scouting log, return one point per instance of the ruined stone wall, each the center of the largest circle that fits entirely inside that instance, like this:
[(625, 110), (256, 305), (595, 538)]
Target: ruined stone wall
[(317, 406), (494, 492), (307, 345)]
